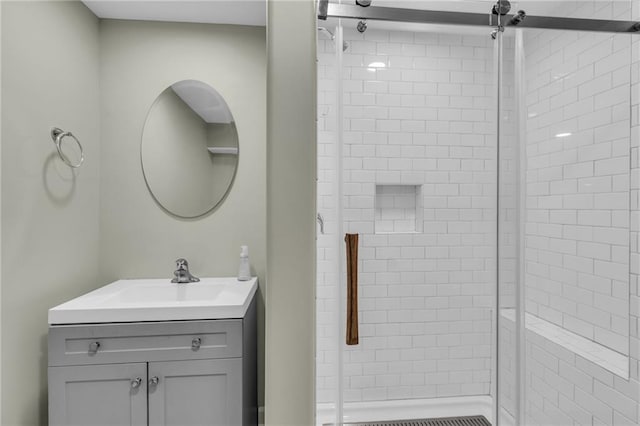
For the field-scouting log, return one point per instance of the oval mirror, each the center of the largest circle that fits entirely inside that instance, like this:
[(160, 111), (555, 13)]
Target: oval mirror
[(189, 149)]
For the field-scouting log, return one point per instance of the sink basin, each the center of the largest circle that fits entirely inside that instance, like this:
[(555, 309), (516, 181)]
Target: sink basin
[(158, 300)]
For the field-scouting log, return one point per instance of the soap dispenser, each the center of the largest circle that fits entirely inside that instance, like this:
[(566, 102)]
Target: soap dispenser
[(244, 272)]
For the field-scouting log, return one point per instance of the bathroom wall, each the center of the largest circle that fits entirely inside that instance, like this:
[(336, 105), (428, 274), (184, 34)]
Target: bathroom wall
[(291, 210), (419, 187), (0, 212), (138, 60), (50, 249)]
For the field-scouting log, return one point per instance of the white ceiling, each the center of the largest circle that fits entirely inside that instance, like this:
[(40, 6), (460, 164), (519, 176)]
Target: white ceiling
[(237, 12)]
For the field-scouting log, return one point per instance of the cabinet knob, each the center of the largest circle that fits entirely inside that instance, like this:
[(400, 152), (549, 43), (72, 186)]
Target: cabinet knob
[(154, 381), (135, 383), (93, 347), (195, 343)]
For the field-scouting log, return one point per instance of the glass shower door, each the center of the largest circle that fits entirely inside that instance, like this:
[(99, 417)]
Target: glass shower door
[(576, 212), (329, 322), (568, 148), (414, 149)]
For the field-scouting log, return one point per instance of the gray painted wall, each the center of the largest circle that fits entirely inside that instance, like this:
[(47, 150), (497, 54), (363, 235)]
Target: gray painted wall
[(0, 213), (291, 210), (138, 60), (50, 225)]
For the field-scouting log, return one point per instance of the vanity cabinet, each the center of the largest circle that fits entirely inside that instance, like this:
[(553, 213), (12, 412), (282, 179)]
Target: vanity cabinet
[(98, 395), (157, 373)]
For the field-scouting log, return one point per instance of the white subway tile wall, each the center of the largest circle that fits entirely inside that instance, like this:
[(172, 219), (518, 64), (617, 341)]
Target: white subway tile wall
[(419, 187), (577, 182), (564, 388)]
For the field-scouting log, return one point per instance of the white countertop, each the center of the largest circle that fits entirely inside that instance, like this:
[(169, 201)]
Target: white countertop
[(158, 300)]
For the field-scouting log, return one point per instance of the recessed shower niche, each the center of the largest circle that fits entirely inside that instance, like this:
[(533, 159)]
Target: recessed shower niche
[(399, 209)]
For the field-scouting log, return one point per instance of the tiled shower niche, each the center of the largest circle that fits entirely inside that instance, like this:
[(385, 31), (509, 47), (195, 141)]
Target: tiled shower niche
[(398, 209)]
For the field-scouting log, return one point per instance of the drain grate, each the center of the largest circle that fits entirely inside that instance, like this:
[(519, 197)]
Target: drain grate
[(448, 421)]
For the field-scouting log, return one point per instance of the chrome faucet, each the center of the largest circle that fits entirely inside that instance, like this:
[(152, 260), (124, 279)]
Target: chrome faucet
[(182, 273)]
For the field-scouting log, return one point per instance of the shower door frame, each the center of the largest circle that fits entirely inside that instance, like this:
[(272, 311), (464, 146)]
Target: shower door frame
[(342, 11), (418, 16)]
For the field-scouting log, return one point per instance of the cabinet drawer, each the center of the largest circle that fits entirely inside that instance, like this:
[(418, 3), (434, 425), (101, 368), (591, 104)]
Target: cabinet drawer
[(141, 342)]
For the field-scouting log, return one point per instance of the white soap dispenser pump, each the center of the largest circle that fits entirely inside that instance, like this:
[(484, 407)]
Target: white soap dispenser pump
[(244, 272)]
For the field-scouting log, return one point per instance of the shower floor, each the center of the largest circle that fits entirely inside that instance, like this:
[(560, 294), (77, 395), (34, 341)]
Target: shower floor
[(449, 421), (395, 412)]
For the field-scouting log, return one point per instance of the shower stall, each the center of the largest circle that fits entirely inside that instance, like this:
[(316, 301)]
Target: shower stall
[(487, 155)]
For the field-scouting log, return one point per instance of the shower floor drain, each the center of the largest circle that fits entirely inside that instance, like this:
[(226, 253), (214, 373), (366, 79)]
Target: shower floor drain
[(448, 421)]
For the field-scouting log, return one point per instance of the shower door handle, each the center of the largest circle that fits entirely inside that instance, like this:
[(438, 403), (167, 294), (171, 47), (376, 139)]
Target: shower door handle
[(352, 333)]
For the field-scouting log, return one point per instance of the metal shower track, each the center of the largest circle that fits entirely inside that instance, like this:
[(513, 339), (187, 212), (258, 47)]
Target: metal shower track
[(378, 13)]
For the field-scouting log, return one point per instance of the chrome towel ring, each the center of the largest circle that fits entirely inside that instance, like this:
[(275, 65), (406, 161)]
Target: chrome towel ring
[(58, 135)]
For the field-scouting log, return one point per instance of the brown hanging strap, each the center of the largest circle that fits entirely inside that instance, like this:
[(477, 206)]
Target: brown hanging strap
[(351, 241)]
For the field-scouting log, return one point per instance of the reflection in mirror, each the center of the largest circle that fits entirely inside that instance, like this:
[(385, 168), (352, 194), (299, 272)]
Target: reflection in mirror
[(189, 149)]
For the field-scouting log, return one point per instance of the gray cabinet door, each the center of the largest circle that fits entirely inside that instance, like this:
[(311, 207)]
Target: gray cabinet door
[(98, 395), (196, 393)]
